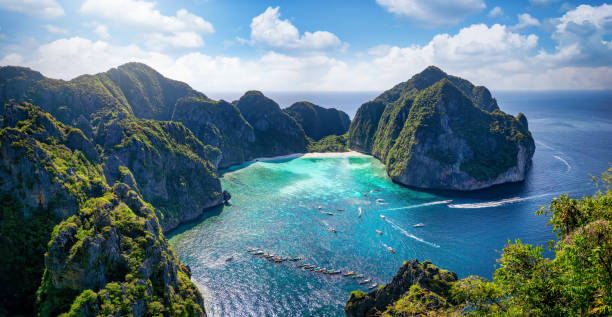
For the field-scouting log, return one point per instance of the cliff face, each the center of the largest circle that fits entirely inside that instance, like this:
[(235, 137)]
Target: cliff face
[(417, 289), (219, 124), (445, 134), (276, 133), (107, 254), (319, 122), (364, 125), (165, 163)]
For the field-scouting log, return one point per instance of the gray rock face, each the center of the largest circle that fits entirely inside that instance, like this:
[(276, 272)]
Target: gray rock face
[(457, 146), (440, 131), (115, 256), (319, 122), (219, 124), (276, 133), (168, 165), (425, 275)]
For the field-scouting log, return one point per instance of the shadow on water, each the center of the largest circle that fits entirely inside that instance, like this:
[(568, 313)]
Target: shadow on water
[(249, 163), (211, 212)]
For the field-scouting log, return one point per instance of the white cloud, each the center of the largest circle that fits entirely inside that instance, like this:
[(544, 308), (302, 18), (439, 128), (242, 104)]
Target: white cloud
[(159, 41), (525, 20), (581, 34), (434, 12), (11, 59), (56, 30), (39, 8), (495, 56), (268, 30), (496, 12), (101, 31), (182, 30)]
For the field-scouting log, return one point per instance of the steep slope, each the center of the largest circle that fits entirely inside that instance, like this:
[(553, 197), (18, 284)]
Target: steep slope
[(449, 143), (108, 248), (276, 133), (364, 125), (418, 289), (137, 90), (150, 95), (219, 124), (440, 131), (319, 122), (170, 167)]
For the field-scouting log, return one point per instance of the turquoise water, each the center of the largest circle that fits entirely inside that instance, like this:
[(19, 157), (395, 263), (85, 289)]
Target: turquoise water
[(274, 207)]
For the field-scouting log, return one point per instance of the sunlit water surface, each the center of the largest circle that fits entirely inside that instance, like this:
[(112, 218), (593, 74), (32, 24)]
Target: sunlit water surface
[(274, 207)]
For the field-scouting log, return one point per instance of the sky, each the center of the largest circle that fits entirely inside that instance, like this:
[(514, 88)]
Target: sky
[(332, 45)]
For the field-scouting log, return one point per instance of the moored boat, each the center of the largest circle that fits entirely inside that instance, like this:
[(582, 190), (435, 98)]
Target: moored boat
[(379, 232)]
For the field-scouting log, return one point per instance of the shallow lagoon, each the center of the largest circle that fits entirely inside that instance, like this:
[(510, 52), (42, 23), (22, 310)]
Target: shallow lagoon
[(275, 207)]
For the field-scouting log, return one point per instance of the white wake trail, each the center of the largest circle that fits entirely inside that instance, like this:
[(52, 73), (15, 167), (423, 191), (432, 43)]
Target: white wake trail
[(497, 203), (441, 202), (569, 167), (408, 234)]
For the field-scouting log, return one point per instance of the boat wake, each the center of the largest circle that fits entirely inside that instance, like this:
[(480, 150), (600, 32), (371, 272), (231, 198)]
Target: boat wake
[(408, 234), (569, 167), (497, 203), (441, 202)]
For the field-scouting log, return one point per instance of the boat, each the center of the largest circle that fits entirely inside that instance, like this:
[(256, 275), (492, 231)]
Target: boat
[(379, 200), (349, 273), (364, 194), (333, 230), (252, 250), (377, 189), (358, 276), (391, 249), (379, 232), (382, 216), (295, 259), (329, 213), (339, 209), (359, 212), (320, 207), (372, 286), (334, 272), (365, 281), (229, 259), (258, 252), (419, 225)]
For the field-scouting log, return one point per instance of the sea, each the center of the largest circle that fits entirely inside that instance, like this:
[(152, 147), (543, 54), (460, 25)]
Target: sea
[(275, 207)]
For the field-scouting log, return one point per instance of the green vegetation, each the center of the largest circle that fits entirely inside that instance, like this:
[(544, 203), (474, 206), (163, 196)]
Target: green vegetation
[(445, 119), (576, 282), (319, 122), (71, 244), (330, 143)]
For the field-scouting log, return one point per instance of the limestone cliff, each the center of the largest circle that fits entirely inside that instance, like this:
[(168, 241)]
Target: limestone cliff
[(319, 122), (276, 133), (440, 131), (418, 289)]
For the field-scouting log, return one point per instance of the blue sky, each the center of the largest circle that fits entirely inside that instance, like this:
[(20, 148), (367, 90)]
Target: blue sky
[(226, 45)]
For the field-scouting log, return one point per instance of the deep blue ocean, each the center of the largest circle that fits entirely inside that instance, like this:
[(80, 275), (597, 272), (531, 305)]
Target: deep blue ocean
[(274, 207)]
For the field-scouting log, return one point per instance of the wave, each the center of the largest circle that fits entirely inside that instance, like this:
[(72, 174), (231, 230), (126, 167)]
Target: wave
[(569, 167), (497, 203), (441, 202), (544, 145), (410, 235)]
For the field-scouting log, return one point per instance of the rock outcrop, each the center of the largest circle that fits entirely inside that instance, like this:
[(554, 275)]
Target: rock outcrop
[(417, 288), (217, 123), (169, 166), (276, 132), (440, 131), (319, 122), (107, 255)]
